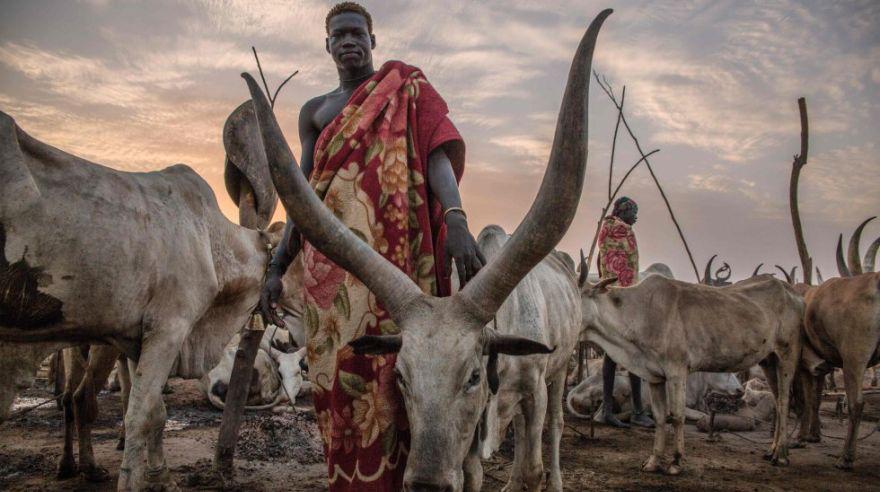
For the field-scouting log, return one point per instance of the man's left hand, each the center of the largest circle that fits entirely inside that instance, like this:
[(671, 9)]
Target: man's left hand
[(461, 246)]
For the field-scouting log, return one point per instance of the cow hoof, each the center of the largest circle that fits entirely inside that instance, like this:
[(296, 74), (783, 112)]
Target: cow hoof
[(844, 464), (674, 470), (713, 438), (652, 465), (813, 439), (94, 473), (799, 444), (779, 461), (159, 480), (66, 469), (120, 445)]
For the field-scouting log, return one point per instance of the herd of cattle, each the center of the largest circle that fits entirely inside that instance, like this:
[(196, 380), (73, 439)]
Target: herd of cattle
[(114, 266)]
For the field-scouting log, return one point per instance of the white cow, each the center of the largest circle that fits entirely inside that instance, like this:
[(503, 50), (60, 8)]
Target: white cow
[(543, 307), (587, 396), (277, 376)]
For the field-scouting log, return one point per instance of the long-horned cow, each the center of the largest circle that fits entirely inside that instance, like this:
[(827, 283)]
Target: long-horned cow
[(139, 261), (842, 329), (543, 307), (663, 329), (442, 342)]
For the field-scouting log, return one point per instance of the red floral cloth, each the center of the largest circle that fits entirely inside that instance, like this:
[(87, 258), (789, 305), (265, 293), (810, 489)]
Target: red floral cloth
[(618, 251), (370, 171)]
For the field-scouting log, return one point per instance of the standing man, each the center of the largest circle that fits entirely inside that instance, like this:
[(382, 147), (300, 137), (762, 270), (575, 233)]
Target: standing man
[(381, 153), (619, 257)]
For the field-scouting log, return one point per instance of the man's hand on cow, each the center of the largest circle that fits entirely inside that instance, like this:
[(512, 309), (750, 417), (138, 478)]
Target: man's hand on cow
[(269, 299), (462, 247)]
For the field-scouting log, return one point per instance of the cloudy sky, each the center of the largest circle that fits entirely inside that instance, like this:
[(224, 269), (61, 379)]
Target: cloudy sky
[(140, 85)]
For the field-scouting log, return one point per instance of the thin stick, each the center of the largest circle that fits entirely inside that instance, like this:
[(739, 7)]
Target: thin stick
[(260, 68), (614, 141), (800, 161), (18, 413), (611, 198), (275, 96), (632, 135)]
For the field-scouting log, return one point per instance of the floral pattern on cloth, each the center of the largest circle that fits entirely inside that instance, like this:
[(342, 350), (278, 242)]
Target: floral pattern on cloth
[(618, 251), (370, 171)]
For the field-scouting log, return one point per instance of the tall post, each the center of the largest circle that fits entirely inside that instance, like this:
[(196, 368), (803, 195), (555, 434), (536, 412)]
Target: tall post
[(799, 162), (236, 397)]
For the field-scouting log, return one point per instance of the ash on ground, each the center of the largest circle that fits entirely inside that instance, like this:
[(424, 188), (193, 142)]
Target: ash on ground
[(283, 437)]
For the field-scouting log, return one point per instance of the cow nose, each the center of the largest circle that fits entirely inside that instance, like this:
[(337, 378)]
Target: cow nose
[(429, 485)]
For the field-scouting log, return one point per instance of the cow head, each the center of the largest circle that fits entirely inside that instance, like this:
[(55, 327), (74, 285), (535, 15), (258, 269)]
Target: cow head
[(442, 343)]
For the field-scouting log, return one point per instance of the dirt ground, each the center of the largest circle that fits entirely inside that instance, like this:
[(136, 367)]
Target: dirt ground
[(282, 451)]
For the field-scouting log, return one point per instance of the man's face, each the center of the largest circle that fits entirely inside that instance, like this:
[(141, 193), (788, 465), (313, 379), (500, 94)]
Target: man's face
[(349, 41), (628, 212)]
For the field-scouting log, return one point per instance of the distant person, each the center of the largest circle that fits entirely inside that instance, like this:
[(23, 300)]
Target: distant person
[(385, 159), (619, 257)]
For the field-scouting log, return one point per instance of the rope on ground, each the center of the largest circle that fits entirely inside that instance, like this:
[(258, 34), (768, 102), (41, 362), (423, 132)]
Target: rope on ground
[(569, 426), (859, 439), (788, 439), (18, 413)]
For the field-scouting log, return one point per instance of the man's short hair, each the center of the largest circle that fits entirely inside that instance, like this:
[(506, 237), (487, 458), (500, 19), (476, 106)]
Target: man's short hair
[(343, 7)]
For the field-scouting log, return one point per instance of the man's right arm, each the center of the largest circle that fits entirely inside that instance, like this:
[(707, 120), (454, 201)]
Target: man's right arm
[(291, 242)]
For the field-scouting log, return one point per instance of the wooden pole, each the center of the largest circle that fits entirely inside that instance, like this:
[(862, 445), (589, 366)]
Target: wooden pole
[(607, 89), (236, 397), (799, 162)]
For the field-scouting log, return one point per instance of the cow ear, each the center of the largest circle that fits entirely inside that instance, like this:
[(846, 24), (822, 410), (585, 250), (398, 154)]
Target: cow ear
[(492, 374), (514, 345), (376, 344)]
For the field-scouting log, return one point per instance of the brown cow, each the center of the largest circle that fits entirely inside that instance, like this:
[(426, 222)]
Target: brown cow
[(663, 329)]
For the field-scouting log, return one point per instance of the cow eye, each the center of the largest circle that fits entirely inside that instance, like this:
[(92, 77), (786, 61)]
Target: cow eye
[(473, 381)]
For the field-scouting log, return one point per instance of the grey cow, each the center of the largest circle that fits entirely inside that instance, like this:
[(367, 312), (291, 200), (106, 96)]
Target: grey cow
[(140, 261), (440, 365)]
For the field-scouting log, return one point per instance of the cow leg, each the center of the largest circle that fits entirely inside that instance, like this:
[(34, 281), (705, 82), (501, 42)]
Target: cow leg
[(811, 387), (514, 483), (124, 375), (555, 428), (676, 391), (658, 408), (146, 416), (786, 365), (73, 363), (534, 412), (853, 373), (101, 360)]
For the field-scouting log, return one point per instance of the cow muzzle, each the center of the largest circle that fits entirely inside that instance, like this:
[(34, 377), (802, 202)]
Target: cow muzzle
[(427, 484)]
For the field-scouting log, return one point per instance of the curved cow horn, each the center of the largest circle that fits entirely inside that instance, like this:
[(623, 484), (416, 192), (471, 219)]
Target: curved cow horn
[(786, 274), (819, 275), (724, 269), (794, 275), (871, 256), (603, 284), (315, 221), (855, 263), (584, 270), (553, 210), (707, 275), (757, 270), (246, 172), (842, 269)]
